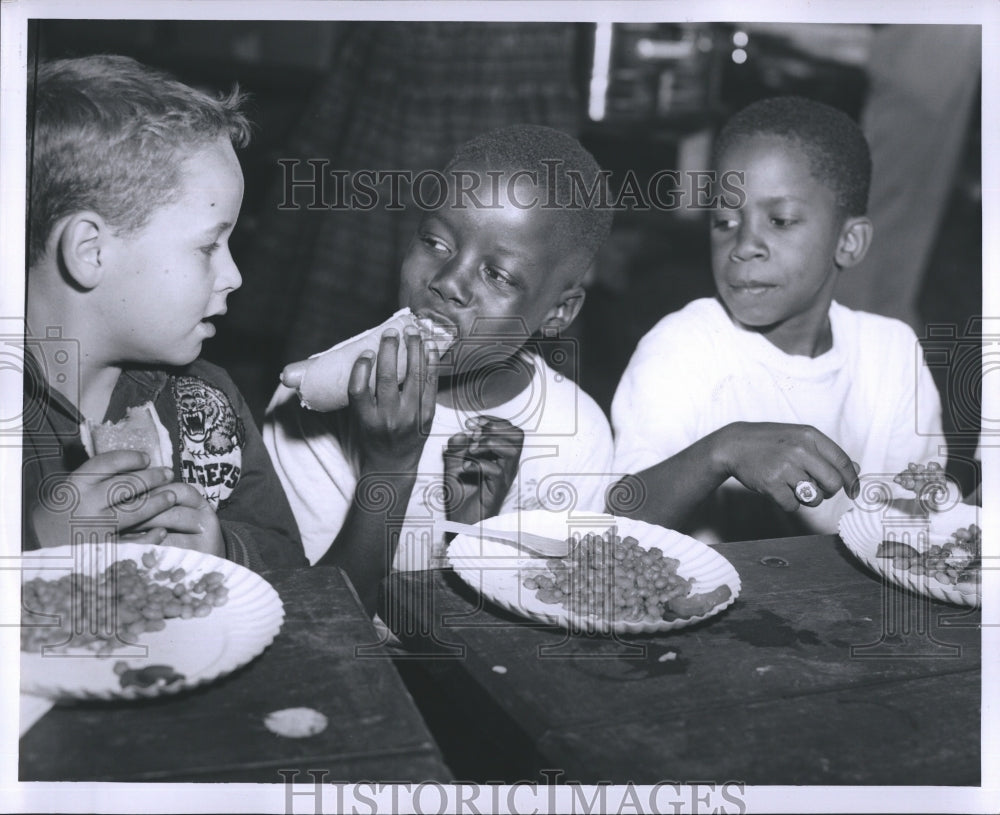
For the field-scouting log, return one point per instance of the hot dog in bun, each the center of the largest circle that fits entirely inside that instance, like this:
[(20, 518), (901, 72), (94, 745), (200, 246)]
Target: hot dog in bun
[(322, 380)]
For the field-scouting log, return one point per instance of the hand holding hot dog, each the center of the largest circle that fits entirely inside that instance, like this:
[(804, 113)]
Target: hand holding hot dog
[(394, 418), (323, 380)]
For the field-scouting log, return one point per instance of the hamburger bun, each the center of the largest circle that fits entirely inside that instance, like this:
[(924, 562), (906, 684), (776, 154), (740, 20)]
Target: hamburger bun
[(140, 430)]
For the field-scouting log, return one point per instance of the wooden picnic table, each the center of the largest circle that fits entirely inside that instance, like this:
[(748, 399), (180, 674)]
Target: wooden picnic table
[(327, 657), (820, 673)]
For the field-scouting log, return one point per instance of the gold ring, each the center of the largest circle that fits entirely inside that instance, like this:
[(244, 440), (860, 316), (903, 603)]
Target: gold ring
[(806, 492)]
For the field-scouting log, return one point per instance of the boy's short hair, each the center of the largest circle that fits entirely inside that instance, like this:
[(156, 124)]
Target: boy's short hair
[(108, 134), (834, 145), (533, 148)]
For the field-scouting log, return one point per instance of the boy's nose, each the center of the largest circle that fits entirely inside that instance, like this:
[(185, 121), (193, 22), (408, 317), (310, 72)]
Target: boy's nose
[(748, 244), (451, 282), (229, 278)]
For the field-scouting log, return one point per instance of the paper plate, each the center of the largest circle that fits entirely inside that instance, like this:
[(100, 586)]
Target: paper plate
[(200, 649), (497, 569), (862, 531)]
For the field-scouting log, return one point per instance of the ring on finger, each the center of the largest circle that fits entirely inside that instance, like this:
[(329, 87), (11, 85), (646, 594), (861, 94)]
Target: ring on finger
[(806, 492)]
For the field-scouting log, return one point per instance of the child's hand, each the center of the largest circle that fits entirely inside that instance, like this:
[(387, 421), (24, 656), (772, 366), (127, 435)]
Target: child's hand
[(189, 522), (119, 484), (773, 459), (395, 419), (482, 465)]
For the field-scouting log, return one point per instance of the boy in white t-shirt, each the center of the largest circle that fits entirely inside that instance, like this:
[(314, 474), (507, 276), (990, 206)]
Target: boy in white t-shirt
[(771, 390), (502, 269)]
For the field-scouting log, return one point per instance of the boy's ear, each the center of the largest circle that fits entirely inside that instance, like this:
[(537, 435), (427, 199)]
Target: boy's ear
[(562, 314), (855, 238), (80, 242)]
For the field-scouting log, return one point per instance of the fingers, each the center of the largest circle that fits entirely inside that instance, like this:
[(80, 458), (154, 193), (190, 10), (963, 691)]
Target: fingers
[(114, 462), (484, 463), (137, 483), (129, 494), (465, 452), (183, 511), (178, 519), (154, 537), (387, 369), (847, 471), (415, 362), (293, 374), (489, 424), (487, 456), (458, 443), (468, 468), (196, 543), (496, 448), (421, 384), (138, 513), (796, 465), (384, 363), (820, 480), (458, 461), (824, 471), (489, 471), (807, 493), (186, 495), (418, 388), (784, 496), (358, 393), (494, 436)]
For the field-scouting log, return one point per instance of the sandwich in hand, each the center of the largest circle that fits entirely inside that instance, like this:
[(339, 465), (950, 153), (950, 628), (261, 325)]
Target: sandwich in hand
[(141, 430)]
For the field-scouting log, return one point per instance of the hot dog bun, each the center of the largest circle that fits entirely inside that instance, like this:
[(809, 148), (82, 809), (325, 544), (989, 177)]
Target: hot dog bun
[(322, 380), (140, 430)]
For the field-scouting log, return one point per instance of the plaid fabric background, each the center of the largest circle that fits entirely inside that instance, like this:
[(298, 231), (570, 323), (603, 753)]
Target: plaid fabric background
[(399, 96)]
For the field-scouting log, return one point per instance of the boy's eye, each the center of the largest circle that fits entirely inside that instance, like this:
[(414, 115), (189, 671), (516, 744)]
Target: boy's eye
[(210, 249), (722, 223), (783, 221), (498, 276), (433, 243)]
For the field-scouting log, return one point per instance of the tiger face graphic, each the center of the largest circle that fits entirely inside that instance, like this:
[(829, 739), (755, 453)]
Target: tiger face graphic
[(212, 438)]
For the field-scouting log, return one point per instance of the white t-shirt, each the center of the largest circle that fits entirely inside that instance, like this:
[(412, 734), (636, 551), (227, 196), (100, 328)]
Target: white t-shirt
[(696, 371), (565, 463)]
